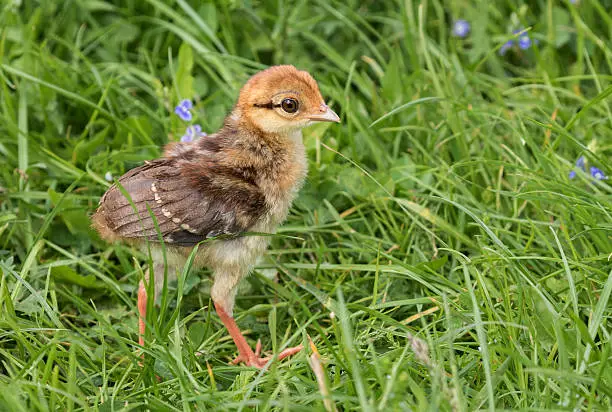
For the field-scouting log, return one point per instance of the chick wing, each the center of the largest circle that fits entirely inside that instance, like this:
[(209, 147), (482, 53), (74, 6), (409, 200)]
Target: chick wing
[(217, 202)]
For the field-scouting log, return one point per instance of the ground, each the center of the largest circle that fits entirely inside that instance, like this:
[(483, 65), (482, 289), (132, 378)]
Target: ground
[(451, 249)]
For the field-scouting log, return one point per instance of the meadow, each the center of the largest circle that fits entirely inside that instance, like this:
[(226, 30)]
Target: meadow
[(451, 249)]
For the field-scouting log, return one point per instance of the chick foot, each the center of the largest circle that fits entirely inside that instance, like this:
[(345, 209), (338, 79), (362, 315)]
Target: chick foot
[(250, 358), (246, 354)]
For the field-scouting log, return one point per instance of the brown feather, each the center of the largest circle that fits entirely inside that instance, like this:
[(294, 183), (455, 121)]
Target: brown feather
[(190, 201), (242, 178)]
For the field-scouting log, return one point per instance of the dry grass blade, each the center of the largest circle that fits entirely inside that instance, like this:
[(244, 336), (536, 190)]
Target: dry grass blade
[(314, 360)]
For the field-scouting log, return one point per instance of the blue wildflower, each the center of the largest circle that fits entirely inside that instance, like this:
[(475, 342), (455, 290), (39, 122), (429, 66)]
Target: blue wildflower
[(580, 164), (183, 110), (524, 42), (186, 104), (192, 132), (505, 47), (108, 177), (597, 174), (461, 28)]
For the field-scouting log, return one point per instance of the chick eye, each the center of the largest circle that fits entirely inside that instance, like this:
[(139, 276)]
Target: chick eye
[(289, 105)]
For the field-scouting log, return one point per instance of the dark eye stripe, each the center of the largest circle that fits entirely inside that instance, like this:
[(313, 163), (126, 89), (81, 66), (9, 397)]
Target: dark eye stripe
[(268, 105)]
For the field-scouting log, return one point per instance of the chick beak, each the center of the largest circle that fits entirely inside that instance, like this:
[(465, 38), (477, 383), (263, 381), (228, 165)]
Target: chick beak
[(325, 114)]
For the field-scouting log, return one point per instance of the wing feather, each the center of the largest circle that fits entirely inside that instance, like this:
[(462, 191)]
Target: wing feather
[(186, 214)]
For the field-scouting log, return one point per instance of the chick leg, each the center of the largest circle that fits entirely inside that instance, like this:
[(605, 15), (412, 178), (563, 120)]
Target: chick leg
[(158, 283), (142, 311), (223, 294)]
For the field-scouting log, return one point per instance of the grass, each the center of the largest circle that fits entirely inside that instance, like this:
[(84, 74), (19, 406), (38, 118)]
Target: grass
[(439, 257)]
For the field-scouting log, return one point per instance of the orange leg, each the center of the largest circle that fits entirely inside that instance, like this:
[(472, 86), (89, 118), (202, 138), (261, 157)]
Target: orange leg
[(142, 316), (245, 353), (142, 310)]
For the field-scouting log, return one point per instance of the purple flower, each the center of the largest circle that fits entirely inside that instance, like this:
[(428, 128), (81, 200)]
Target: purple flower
[(183, 110), (186, 104), (505, 47), (580, 165), (192, 132), (598, 174), (461, 28), (524, 42)]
